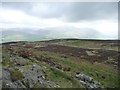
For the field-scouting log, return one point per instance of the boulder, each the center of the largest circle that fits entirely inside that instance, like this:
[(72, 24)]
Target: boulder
[(87, 81)]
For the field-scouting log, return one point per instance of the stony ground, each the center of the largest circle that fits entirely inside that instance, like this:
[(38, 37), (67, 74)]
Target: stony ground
[(60, 64)]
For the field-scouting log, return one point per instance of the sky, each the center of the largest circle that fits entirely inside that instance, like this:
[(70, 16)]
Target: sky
[(91, 20)]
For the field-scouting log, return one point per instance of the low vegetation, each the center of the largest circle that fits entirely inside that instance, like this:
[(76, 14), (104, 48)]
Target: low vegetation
[(60, 63)]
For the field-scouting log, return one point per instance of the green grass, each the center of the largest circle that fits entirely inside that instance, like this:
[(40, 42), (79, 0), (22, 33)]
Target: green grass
[(88, 44), (96, 70), (63, 79)]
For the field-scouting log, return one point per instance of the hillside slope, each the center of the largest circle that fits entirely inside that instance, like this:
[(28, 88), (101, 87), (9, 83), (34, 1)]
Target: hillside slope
[(60, 64)]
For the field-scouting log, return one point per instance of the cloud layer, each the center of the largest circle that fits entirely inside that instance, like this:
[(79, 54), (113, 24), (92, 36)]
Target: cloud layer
[(63, 19), (72, 11)]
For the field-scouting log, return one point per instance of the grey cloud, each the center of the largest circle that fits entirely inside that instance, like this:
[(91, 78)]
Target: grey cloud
[(24, 6), (73, 12), (92, 11), (119, 10)]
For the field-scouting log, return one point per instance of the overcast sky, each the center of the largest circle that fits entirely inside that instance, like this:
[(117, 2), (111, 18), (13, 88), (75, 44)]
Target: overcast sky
[(99, 17)]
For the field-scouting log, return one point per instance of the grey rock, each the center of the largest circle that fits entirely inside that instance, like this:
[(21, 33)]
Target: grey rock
[(19, 60), (32, 74), (6, 74), (88, 82)]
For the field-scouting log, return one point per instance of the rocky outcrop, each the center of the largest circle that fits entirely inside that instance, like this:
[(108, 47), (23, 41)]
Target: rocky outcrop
[(88, 82), (32, 76), (19, 60)]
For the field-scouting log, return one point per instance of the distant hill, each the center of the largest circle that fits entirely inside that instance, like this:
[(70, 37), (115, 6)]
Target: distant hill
[(25, 34)]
